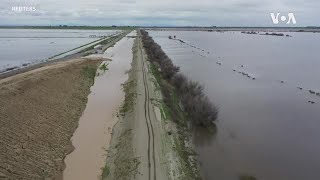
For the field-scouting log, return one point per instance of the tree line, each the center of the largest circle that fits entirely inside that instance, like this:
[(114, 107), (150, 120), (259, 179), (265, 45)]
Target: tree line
[(177, 89)]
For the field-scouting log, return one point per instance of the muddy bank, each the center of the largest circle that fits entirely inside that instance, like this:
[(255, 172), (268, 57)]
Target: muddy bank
[(121, 161), (92, 137), (39, 112)]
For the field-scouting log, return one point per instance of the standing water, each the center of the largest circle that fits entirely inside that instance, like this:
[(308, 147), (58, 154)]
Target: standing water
[(21, 47), (92, 137), (267, 126)]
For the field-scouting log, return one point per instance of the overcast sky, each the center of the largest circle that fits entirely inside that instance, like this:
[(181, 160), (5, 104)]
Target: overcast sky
[(159, 12)]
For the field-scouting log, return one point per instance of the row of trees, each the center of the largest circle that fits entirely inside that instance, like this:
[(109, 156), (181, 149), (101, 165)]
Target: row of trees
[(189, 93)]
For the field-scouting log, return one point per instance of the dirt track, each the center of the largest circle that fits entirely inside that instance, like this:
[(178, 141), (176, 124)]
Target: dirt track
[(136, 149), (39, 112), (152, 163)]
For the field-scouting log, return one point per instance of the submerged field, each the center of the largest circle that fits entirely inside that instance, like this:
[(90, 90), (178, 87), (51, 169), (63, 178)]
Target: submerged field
[(267, 125), (36, 45)]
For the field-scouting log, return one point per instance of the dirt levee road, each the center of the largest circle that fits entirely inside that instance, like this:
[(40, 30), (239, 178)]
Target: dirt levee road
[(136, 148)]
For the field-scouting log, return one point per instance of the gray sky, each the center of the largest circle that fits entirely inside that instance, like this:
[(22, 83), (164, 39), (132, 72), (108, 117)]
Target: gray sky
[(159, 12)]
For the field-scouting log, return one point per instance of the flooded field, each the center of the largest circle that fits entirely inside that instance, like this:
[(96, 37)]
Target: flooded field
[(267, 89), (91, 139), (19, 47)]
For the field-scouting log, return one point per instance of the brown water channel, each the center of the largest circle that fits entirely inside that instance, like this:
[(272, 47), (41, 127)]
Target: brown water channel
[(92, 137)]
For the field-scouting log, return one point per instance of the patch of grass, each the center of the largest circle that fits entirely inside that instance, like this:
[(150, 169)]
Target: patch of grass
[(104, 67), (126, 166), (156, 74), (165, 112), (130, 96), (188, 165), (105, 171), (89, 72)]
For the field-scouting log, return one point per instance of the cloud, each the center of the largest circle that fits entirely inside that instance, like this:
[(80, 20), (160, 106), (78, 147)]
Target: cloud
[(157, 12)]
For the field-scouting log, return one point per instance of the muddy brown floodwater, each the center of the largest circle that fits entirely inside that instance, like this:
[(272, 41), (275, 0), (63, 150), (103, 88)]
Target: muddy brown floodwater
[(92, 137)]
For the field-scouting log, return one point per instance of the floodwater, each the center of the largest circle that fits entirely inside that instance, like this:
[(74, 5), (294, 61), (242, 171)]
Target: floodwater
[(29, 46), (266, 126), (92, 137)]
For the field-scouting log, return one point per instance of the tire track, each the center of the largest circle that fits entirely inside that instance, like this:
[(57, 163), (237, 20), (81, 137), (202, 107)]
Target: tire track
[(148, 119)]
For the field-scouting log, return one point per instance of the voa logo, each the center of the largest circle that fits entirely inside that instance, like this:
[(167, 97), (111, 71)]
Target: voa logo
[(285, 19)]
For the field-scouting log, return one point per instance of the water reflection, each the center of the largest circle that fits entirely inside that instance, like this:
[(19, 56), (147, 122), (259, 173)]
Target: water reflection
[(203, 136)]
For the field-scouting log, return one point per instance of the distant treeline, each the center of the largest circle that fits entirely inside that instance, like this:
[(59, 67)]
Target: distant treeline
[(177, 89)]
